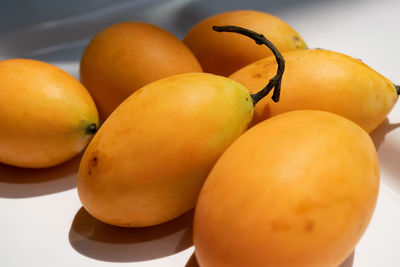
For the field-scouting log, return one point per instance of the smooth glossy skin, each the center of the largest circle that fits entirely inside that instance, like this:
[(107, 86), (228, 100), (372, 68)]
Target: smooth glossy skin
[(224, 53), (126, 56), (296, 190), (148, 161), (45, 113), (322, 80)]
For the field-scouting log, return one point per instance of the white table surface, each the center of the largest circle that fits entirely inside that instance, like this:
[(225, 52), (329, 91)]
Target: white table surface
[(42, 221)]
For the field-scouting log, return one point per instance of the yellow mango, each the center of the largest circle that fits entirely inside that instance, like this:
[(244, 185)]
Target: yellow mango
[(223, 54), (322, 80), (47, 116), (128, 55), (148, 161), (296, 190)]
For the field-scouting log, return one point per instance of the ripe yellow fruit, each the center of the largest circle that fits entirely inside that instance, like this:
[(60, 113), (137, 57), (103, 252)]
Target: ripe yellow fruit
[(47, 116), (126, 56), (296, 190), (322, 80), (224, 53), (148, 161)]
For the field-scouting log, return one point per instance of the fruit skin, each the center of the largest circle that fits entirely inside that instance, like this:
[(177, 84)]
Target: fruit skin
[(224, 53), (126, 56), (45, 113), (322, 80), (298, 189), (149, 159)]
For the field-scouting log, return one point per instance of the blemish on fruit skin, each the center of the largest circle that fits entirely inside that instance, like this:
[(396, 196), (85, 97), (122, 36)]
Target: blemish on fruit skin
[(299, 43), (92, 163), (296, 39), (257, 75), (309, 226)]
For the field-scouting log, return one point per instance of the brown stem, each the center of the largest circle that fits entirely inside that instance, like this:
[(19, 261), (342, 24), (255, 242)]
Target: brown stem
[(274, 82)]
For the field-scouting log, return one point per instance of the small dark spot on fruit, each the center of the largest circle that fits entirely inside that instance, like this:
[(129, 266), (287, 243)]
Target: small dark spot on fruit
[(296, 38), (257, 75), (247, 99), (94, 161), (309, 226), (92, 164)]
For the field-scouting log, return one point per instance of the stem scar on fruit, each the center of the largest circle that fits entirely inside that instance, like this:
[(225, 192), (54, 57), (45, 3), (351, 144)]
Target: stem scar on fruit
[(91, 129), (274, 82)]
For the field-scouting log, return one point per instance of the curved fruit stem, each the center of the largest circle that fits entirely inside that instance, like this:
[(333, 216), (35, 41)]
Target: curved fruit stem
[(274, 82), (91, 129), (397, 89)]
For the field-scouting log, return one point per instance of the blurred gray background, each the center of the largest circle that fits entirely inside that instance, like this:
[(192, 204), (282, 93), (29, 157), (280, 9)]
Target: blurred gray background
[(58, 31), (44, 28)]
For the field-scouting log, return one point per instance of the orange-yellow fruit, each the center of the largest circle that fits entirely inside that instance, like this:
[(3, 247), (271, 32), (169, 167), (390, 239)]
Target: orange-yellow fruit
[(224, 53), (322, 80), (47, 116), (148, 161), (296, 190), (126, 56)]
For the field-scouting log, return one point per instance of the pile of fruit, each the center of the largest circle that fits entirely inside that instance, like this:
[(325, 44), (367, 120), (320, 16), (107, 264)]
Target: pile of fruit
[(287, 180)]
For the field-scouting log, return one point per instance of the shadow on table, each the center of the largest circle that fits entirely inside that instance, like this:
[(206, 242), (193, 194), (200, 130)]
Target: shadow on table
[(378, 135), (389, 153), (349, 261), (22, 183), (100, 241), (192, 262)]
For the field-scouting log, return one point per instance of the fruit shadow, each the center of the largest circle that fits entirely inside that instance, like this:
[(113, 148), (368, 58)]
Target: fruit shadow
[(349, 261), (23, 182), (192, 262), (104, 242), (378, 135), (388, 153)]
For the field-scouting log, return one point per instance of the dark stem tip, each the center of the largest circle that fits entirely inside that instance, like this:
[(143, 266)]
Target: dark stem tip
[(397, 89), (276, 94), (91, 129)]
